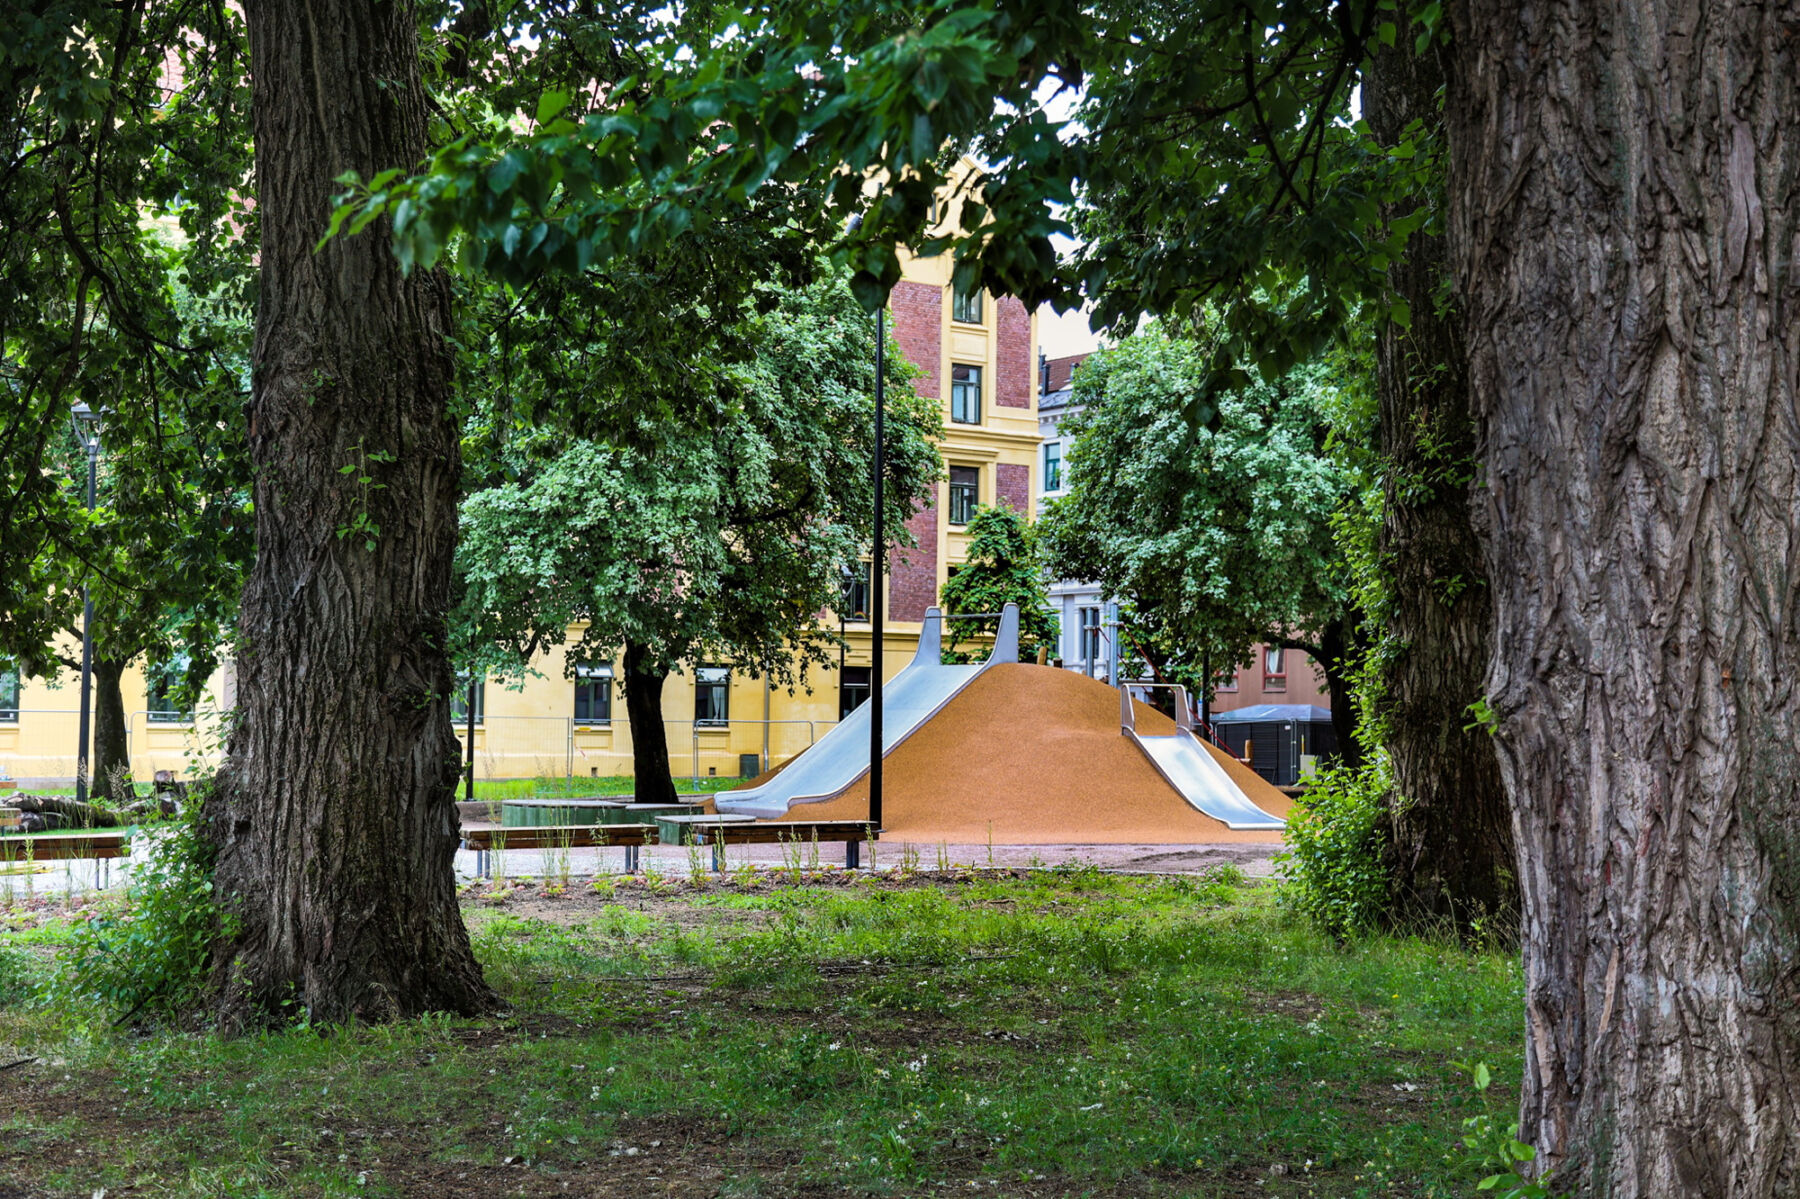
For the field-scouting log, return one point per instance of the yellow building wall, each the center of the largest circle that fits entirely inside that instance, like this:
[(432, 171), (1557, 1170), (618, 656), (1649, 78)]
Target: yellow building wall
[(39, 746)]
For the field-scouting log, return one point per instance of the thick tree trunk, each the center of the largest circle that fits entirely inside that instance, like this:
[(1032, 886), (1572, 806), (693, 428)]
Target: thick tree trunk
[(652, 781), (112, 747), (334, 821), (1624, 218), (1449, 848), (1336, 653)]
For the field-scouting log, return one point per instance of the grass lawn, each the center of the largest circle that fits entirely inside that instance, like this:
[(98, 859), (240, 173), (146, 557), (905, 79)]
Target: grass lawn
[(1043, 1033)]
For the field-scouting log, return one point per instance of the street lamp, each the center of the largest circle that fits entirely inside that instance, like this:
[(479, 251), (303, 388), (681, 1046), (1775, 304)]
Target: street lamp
[(87, 427), (877, 575)]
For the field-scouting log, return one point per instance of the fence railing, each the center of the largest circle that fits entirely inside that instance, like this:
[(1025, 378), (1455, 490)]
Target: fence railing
[(41, 744)]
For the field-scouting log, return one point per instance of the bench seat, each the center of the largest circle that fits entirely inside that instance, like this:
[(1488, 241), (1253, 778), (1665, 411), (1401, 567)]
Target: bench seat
[(559, 836), (57, 846), (716, 832)]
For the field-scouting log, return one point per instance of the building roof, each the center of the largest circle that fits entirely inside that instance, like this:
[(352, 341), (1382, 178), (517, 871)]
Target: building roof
[(1274, 714), (1059, 372), (1055, 399)]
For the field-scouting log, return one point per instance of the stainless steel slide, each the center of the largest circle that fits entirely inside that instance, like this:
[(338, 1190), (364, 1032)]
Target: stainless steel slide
[(908, 700), (1194, 772)]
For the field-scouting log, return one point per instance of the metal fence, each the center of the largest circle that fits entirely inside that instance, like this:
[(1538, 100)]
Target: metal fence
[(508, 747), (41, 745)]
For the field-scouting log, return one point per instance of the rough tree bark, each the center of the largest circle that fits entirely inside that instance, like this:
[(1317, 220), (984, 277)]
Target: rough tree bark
[(112, 748), (334, 819), (1623, 203), (1449, 849), (652, 781)]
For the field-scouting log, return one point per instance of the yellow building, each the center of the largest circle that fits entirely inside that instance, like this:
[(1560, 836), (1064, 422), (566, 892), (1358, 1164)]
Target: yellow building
[(40, 724)]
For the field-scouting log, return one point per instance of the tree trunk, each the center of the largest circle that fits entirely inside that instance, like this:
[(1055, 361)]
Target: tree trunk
[(335, 820), (652, 780), (1449, 851), (112, 750), (1624, 220), (1336, 653)]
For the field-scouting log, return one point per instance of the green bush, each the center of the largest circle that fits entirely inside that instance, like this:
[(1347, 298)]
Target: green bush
[(1331, 872), (150, 955)]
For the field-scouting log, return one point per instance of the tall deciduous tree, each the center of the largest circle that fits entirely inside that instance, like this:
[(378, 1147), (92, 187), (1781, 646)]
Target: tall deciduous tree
[(1449, 843), (1218, 534), (334, 819), (1624, 190), (125, 268), (718, 530)]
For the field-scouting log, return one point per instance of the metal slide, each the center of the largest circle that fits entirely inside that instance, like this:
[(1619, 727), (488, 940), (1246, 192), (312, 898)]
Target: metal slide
[(908, 700), (1192, 770)]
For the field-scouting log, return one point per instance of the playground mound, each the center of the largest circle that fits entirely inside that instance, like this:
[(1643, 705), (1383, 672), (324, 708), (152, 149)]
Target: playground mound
[(1032, 755)]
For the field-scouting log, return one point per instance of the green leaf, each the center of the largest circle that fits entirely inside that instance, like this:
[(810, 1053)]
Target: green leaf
[(551, 105)]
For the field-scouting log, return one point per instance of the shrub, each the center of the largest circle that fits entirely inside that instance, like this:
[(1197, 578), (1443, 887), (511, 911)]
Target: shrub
[(151, 953), (1332, 873)]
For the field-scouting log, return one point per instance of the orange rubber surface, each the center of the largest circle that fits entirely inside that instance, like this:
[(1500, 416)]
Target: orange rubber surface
[(1032, 755)]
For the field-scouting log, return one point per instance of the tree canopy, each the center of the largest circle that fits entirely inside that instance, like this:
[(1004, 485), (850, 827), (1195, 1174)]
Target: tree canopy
[(1004, 566), (719, 538), (1217, 537)]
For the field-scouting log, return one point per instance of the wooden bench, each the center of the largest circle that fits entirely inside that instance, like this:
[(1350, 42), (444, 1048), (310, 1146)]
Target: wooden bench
[(56, 847), (720, 831), (559, 836)]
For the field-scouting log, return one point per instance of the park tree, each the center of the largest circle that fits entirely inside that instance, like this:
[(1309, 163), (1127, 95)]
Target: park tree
[(1005, 565), (127, 271), (1216, 537), (715, 532), (1623, 199), (162, 557), (334, 821)]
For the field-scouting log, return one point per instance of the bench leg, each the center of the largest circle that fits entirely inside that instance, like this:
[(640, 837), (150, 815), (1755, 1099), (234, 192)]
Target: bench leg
[(853, 855)]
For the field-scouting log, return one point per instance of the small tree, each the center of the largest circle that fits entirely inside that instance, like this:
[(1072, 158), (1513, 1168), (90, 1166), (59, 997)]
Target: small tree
[(1004, 567)]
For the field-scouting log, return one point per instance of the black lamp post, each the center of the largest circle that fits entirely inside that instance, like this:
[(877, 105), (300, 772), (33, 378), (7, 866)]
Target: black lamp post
[(87, 427), (877, 575)]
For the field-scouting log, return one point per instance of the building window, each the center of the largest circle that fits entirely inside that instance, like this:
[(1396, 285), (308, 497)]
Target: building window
[(459, 700), (853, 582), (965, 306), (712, 695), (965, 493), (1226, 681), (593, 694), (1274, 669), (965, 394), (161, 681), (1053, 466), (853, 689), (1090, 637), (9, 694)]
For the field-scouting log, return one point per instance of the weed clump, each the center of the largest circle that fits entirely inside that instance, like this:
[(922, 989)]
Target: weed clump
[(150, 953), (1331, 872)]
